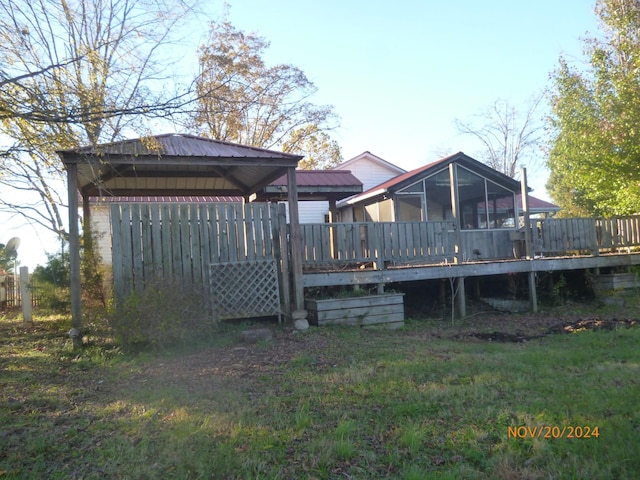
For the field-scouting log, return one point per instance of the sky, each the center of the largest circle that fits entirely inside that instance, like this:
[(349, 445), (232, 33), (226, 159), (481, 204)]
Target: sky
[(399, 74)]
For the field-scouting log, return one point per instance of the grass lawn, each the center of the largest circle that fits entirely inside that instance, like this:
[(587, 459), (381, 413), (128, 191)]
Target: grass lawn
[(429, 401)]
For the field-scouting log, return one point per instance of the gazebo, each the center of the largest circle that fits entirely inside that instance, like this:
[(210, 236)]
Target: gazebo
[(174, 164)]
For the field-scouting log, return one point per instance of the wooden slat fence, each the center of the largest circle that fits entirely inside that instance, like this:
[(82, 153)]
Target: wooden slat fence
[(181, 241), (339, 243), (564, 235)]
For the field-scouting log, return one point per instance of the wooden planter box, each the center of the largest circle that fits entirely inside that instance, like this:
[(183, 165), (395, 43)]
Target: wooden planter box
[(385, 310), (616, 281)]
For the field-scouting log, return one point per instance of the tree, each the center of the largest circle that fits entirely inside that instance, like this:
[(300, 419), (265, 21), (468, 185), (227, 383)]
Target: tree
[(508, 136), (74, 72), (319, 150), (594, 154), (6, 263), (242, 100)]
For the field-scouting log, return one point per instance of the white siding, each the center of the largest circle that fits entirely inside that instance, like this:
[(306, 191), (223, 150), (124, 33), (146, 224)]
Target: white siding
[(101, 228), (310, 212), (370, 170), (313, 212), (370, 173)]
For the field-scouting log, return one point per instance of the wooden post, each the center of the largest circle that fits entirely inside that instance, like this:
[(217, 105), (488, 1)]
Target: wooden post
[(528, 239), (455, 211), (333, 213), (295, 240), (74, 256), (283, 258), (460, 296), (25, 294), (533, 294)]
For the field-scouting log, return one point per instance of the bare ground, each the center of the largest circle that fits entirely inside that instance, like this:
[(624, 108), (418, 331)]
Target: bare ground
[(247, 361)]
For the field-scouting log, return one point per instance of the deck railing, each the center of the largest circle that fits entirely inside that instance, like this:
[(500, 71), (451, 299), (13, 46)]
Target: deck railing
[(432, 242), (378, 242), (595, 235)]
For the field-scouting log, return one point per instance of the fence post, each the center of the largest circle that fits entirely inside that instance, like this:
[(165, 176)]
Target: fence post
[(25, 293)]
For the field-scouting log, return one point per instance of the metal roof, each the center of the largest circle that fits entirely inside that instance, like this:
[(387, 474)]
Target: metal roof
[(315, 185), (321, 178), (175, 164), (537, 205), (401, 181)]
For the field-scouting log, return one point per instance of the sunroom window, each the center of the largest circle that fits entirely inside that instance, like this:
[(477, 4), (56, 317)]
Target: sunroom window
[(483, 203)]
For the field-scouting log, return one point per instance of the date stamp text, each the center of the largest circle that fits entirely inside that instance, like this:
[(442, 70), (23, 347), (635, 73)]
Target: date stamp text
[(553, 431)]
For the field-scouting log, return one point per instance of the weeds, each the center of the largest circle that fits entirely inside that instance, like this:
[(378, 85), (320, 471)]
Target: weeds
[(332, 403)]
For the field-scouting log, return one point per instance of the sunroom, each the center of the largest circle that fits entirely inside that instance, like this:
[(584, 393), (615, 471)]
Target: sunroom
[(486, 197), (479, 201)]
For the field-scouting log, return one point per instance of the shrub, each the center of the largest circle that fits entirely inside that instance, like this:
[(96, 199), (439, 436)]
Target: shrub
[(163, 314)]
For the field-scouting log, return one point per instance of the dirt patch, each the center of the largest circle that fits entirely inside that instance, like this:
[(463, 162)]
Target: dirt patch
[(238, 363), (241, 363), (571, 327)]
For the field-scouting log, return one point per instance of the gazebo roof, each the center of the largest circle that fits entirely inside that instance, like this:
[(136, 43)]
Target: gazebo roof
[(175, 164)]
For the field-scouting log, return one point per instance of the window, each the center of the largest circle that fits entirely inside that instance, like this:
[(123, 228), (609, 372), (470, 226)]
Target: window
[(409, 208), (501, 206), (483, 203), (438, 194), (472, 198)]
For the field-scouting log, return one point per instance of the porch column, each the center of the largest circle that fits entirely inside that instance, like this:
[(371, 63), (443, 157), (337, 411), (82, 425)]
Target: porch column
[(74, 256), (295, 240)]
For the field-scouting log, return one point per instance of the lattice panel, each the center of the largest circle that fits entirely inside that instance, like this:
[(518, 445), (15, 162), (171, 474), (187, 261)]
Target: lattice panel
[(244, 289)]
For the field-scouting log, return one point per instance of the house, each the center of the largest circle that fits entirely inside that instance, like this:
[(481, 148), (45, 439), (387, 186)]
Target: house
[(318, 192), (487, 198), (318, 188), (367, 168), (451, 219)]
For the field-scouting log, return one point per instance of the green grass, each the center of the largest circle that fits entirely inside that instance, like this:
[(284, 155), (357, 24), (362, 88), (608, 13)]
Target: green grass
[(348, 403)]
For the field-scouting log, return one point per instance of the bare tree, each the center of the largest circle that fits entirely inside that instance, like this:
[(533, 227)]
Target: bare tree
[(75, 72), (508, 135)]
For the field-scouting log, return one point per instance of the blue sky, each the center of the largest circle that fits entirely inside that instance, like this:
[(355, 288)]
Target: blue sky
[(399, 73)]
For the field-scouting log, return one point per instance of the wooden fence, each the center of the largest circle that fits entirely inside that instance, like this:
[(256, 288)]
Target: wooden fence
[(594, 235), (326, 244), (181, 241), (378, 242)]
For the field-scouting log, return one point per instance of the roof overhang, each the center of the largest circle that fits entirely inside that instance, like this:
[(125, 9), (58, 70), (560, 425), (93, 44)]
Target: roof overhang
[(175, 165), (314, 185)]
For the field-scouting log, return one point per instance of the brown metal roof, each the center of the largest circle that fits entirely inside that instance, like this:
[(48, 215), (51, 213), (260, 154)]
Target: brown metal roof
[(537, 205), (315, 185), (180, 145), (401, 181), (321, 178), (174, 165)]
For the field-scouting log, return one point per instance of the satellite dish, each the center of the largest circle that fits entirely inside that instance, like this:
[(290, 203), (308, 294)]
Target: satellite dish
[(11, 248)]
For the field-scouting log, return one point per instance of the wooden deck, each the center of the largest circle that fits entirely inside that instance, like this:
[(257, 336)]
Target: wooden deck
[(378, 253), (187, 242)]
